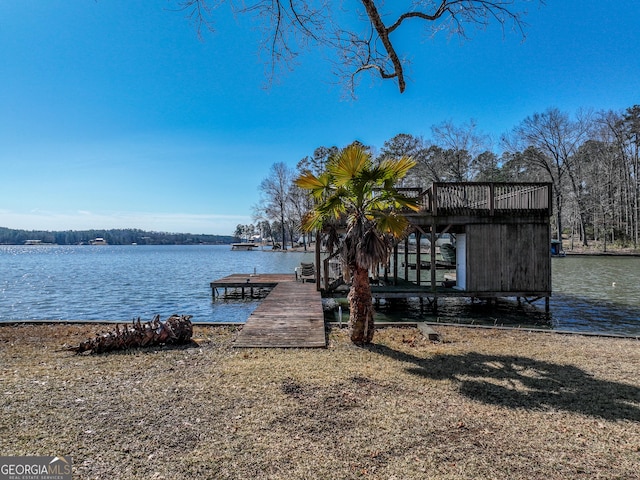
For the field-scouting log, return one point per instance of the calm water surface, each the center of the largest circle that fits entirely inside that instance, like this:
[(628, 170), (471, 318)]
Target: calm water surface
[(596, 293), (124, 282), (590, 293)]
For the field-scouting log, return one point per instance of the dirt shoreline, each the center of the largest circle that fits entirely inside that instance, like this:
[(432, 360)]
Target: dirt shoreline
[(481, 404)]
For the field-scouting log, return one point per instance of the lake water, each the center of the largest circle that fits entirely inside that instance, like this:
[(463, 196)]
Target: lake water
[(124, 282), (599, 293)]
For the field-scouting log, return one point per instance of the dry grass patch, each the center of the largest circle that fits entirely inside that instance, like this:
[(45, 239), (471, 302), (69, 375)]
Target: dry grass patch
[(481, 404)]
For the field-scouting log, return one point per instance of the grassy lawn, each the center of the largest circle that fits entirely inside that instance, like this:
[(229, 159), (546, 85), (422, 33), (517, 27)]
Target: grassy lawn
[(481, 404)]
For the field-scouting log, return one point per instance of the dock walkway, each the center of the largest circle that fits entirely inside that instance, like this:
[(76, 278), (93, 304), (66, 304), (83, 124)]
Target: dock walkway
[(290, 316)]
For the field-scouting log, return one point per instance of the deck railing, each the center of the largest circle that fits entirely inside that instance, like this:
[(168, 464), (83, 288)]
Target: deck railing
[(481, 198), (487, 198)]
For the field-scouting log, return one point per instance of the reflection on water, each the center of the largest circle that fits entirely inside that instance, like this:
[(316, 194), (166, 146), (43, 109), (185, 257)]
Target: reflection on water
[(507, 312), (595, 294), (123, 282)]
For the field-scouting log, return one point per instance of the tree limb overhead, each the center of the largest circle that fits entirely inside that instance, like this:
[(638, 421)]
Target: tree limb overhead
[(358, 40)]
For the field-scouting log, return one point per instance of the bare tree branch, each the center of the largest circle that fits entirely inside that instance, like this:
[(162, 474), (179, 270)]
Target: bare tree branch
[(291, 26)]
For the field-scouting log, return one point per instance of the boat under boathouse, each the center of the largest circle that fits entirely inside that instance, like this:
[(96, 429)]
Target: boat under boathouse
[(475, 239)]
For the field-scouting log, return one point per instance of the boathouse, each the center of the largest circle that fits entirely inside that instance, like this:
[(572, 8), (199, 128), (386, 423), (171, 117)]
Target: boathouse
[(478, 240)]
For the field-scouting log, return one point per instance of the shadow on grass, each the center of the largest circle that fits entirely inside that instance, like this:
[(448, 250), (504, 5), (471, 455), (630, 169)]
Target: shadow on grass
[(520, 382)]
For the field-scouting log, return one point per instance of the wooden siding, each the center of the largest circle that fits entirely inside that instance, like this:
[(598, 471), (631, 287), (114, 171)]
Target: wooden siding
[(508, 258), (483, 258)]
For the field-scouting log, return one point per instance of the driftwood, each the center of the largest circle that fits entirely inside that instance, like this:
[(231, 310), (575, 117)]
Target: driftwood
[(176, 329)]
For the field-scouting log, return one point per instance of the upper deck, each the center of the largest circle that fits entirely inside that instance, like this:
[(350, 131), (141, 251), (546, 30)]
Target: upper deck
[(466, 201)]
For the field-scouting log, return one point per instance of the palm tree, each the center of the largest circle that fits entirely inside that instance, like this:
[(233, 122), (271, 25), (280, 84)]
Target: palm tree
[(356, 193)]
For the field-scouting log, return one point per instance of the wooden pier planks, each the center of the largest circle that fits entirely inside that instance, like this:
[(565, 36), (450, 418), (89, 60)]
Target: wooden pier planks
[(290, 316)]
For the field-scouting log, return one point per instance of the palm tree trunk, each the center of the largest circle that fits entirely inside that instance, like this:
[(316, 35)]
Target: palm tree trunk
[(361, 308)]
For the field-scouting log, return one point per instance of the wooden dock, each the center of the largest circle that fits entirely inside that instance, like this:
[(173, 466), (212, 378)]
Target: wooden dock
[(244, 284), (290, 316)]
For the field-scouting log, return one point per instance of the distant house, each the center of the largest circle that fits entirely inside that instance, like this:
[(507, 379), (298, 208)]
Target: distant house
[(37, 242), (98, 241)]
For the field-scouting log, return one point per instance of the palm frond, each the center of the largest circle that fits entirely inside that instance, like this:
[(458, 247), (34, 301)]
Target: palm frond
[(313, 220), (332, 238), (349, 164), (402, 201), (319, 186), (373, 249), (333, 207), (397, 168), (354, 191), (392, 224)]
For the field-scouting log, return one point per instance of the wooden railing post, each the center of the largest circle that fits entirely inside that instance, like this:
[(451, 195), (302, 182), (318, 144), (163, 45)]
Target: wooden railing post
[(406, 258), (434, 199), (492, 194), (434, 240), (395, 263), (318, 242), (418, 261)]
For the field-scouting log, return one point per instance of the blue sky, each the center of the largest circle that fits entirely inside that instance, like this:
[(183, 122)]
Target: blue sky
[(113, 114)]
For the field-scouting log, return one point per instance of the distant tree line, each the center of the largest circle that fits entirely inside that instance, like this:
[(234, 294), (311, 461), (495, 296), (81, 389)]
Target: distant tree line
[(112, 237), (592, 160)]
